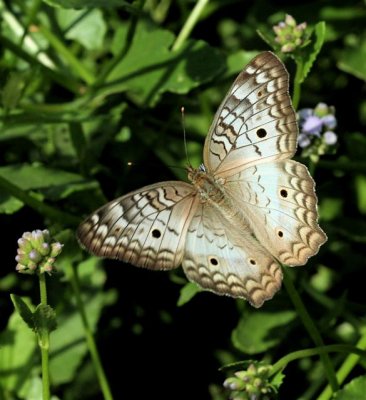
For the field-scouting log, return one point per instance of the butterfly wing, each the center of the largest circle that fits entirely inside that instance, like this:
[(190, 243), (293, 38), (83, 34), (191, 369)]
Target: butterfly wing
[(256, 122), (221, 258), (146, 228), (280, 202)]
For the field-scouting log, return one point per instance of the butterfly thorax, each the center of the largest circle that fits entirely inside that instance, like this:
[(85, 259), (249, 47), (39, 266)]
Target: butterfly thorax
[(209, 188)]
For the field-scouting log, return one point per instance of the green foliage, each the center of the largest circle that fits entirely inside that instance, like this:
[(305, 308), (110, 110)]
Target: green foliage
[(23, 310), (44, 318), (266, 326), (90, 100), (353, 391), (17, 355), (313, 50), (147, 78), (187, 292)]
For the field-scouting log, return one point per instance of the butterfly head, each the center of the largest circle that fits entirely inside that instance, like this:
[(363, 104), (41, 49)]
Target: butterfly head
[(195, 175)]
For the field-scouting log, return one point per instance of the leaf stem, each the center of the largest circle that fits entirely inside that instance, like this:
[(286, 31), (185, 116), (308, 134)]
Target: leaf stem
[(349, 363), (131, 30), (43, 209), (103, 382), (311, 328), (280, 364), (44, 342), (297, 82), (72, 61), (189, 24)]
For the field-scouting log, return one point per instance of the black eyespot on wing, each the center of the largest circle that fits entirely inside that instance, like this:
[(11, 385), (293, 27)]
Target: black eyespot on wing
[(156, 233), (283, 193), (214, 261), (252, 261), (261, 133)]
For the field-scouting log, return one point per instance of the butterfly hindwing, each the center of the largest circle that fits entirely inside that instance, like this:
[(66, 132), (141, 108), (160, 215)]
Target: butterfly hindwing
[(280, 204), (228, 261)]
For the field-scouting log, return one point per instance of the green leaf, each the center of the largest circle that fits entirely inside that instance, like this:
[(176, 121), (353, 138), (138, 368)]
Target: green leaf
[(277, 380), (237, 61), (356, 145), (55, 184), (18, 348), (87, 27), (9, 204), (37, 176), (44, 319), (355, 390), (312, 51), (352, 59), (188, 291), (267, 38), (68, 345), (88, 4), (23, 309), (330, 208), (259, 331), (146, 78), (13, 90), (360, 182)]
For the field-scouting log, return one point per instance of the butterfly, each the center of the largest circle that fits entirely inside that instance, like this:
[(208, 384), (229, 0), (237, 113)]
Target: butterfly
[(248, 208)]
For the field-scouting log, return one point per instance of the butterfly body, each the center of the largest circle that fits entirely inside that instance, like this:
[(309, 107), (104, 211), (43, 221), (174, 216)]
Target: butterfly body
[(246, 209)]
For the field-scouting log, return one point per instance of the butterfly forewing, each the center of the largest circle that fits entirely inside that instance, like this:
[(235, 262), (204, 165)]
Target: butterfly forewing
[(256, 122), (146, 228)]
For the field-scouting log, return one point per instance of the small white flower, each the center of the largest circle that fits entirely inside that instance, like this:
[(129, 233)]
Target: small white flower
[(330, 138)]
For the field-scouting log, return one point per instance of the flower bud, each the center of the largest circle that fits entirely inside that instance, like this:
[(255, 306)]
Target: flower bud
[(35, 256), (36, 252), (251, 383), (56, 249), (289, 35)]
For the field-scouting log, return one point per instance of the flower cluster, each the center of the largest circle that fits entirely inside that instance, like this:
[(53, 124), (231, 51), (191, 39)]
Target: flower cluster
[(251, 384), (316, 130), (289, 35), (36, 252)]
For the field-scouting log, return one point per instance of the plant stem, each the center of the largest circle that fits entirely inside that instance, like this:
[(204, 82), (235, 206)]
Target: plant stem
[(33, 12), (311, 328), (297, 83), (62, 50), (349, 363), (131, 30), (29, 44), (44, 342), (189, 24), (42, 208), (280, 364), (103, 382)]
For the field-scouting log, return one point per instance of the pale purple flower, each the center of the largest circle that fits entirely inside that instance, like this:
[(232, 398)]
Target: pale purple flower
[(312, 125), (303, 140), (316, 128)]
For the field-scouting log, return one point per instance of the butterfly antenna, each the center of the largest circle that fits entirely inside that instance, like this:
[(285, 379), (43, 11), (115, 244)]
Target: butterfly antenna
[(184, 136)]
